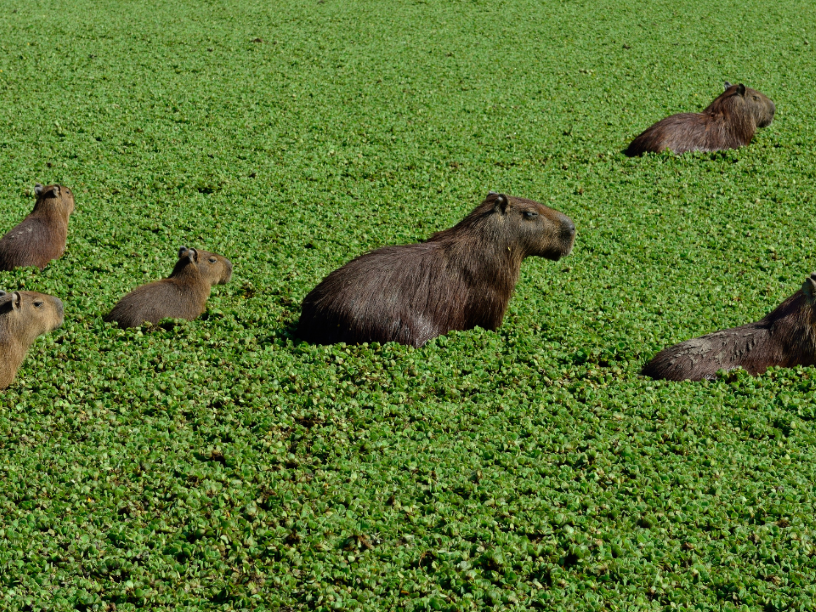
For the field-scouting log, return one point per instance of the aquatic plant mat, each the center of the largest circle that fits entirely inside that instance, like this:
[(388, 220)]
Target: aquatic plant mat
[(220, 464)]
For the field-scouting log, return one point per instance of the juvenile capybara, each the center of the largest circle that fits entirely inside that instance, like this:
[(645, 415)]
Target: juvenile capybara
[(24, 315), (460, 278), (41, 236), (183, 295), (786, 337), (729, 122)]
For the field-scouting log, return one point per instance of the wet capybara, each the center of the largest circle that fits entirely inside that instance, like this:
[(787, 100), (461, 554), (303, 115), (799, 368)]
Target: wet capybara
[(460, 278), (41, 236), (729, 122), (24, 315), (183, 295), (786, 337)]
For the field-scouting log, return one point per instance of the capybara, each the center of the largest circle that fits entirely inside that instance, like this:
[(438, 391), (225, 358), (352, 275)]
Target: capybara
[(729, 122), (460, 278), (41, 236), (784, 338), (24, 315), (181, 296)]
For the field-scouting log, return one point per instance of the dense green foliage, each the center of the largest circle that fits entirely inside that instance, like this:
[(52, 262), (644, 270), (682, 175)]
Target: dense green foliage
[(221, 464)]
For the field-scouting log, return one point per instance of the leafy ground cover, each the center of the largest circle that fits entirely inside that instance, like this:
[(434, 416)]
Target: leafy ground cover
[(221, 464)]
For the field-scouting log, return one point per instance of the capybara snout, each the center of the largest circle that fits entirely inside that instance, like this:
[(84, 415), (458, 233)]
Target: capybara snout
[(567, 235)]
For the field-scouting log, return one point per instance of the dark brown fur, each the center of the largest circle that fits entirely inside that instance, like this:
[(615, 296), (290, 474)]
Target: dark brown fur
[(181, 296), (729, 122), (24, 315), (460, 278), (785, 338), (41, 236)]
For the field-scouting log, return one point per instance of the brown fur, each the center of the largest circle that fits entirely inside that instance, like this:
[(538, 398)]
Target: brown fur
[(24, 315), (181, 296), (41, 236), (729, 122), (786, 337), (460, 278)]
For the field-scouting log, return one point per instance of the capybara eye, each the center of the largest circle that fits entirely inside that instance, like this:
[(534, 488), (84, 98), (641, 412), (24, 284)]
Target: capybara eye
[(38, 304), (755, 98), (213, 260), (529, 214)]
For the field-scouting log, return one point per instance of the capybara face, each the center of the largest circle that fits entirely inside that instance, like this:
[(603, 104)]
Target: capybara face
[(757, 104), (214, 269), (32, 314), (58, 196), (540, 231)]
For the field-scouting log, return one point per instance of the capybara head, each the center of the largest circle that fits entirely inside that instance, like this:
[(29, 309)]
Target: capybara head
[(755, 103), (28, 314), (532, 228), (54, 197), (214, 269)]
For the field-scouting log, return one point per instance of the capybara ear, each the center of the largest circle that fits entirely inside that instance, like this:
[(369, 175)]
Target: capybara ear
[(42, 193), (741, 89), (191, 253), (727, 84), (16, 300), (501, 202), (809, 287)]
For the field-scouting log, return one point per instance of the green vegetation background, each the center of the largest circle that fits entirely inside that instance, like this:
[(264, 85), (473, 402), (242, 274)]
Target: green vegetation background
[(218, 464)]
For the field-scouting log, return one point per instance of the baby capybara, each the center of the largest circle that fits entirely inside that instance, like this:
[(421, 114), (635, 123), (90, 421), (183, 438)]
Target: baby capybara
[(181, 296), (24, 315), (786, 337), (41, 236), (729, 122), (460, 278)]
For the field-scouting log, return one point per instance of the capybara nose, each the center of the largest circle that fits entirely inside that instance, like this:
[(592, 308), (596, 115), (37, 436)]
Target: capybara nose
[(567, 226)]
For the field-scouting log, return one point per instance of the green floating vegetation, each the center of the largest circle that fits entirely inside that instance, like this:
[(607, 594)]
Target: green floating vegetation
[(221, 464)]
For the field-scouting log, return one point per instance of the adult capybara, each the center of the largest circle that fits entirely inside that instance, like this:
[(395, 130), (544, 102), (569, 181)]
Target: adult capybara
[(729, 122), (460, 278), (183, 295), (41, 236), (24, 315), (786, 337)]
